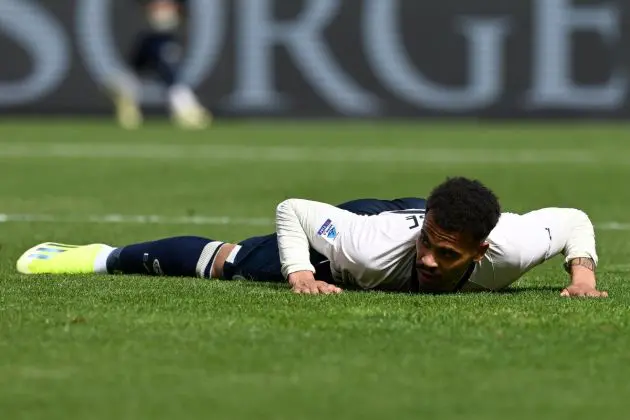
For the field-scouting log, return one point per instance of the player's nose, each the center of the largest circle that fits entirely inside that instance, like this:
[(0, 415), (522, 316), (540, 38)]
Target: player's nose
[(427, 260)]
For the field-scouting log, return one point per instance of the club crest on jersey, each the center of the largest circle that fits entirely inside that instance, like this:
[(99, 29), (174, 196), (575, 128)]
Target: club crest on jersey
[(328, 231)]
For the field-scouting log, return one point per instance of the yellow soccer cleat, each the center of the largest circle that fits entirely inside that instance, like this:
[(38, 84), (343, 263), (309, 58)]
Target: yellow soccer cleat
[(192, 118), (128, 112), (54, 258)]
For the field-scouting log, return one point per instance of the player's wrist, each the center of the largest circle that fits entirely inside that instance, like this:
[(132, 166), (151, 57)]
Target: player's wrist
[(301, 277), (580, 263), (583, 276)]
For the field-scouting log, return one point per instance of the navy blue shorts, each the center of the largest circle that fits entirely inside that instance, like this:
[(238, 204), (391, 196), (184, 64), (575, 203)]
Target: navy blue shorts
[(259, 258), (159, 53)]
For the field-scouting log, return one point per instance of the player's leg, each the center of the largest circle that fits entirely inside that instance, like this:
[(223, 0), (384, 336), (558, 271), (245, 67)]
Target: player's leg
[(125, 88), (185, 256), (256, 259)]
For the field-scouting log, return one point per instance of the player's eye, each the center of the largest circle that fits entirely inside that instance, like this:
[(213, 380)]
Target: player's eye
[(449, 254)]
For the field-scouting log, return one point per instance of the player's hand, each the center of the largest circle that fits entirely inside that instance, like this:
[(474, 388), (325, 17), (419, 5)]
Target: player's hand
[(583, 281), (304, 282), (583, 290)]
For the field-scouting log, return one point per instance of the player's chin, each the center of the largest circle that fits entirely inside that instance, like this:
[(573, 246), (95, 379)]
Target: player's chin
[(430, 283)]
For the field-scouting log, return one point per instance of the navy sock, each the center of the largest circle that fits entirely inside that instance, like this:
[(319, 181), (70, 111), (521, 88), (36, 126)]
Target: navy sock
[(186, 256)]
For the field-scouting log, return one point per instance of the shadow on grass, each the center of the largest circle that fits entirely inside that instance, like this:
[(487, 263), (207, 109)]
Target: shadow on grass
[(279, 286), (527, 289)]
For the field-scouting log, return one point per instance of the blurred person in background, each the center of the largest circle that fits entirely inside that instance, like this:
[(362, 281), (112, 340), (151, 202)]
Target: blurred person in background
[(158, 52)]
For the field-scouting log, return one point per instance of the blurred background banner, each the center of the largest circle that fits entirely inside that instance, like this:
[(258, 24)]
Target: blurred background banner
[(334, 58)]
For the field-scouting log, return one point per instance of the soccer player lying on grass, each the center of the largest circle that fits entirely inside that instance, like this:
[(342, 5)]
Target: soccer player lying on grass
[(458, 240)]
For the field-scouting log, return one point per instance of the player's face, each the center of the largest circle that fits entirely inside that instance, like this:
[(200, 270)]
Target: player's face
[(442, 258)]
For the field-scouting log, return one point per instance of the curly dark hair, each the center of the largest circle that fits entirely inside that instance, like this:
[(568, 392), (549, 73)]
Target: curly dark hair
[(462, 205)]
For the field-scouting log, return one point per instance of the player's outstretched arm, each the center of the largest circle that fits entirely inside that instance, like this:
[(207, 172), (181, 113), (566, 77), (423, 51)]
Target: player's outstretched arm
[(577, 242), (302, 225), (552, 231)]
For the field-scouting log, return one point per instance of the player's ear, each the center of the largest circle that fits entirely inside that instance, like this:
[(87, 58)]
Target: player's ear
[(483, 248)]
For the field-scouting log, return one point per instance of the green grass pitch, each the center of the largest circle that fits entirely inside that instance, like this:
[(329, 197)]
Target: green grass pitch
[(136, 347)]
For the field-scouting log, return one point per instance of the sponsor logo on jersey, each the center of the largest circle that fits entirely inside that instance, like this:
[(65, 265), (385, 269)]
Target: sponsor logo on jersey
[(328, 231), (321, 230), (331, 233)]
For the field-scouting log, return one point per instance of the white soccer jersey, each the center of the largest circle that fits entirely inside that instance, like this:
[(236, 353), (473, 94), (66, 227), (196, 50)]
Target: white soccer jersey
[(378, 252)]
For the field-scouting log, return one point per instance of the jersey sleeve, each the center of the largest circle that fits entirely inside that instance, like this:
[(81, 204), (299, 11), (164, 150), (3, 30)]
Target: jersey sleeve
[(521, 242), (302, 224)]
